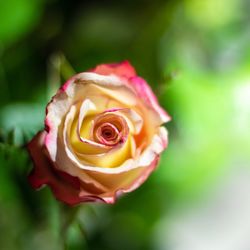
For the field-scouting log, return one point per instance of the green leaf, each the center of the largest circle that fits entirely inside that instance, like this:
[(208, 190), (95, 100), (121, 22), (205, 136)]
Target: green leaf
[(23, 120)]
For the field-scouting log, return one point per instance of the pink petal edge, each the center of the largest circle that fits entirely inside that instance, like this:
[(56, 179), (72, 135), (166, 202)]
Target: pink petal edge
[(122, 69), (145, 92)]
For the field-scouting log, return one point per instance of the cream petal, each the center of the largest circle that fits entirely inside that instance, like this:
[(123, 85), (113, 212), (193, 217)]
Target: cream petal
[(56, 110), (103, 80), (111, 85), (87, 105), (114, 135), (139, 177), (158, 144), (115, 181)]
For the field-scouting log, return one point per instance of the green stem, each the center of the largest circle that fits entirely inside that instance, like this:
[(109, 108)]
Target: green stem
[(59, 70), (68, 216)]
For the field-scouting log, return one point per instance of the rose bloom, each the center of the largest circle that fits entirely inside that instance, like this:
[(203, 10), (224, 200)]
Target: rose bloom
[(103, 136)]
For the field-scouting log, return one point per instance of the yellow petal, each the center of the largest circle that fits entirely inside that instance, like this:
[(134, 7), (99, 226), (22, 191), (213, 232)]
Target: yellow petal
[(114, 157)]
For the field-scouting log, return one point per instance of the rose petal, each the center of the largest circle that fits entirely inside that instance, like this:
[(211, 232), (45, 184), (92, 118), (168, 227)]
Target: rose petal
[(157, 145), (141, 178), (64, 187), (121, 69), (134, 120), (145, 92)]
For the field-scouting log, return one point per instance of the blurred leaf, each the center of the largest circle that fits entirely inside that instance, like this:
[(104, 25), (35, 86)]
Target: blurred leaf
[(8, 189), (18, 17), (24, 120), (203, 13)]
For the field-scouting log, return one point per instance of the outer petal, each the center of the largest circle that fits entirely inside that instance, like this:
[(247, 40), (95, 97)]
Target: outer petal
[(124, 69), (65, 187), (144, 91), (111, 198)]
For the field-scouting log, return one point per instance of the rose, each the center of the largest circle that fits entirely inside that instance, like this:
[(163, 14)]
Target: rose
[(102, 137)]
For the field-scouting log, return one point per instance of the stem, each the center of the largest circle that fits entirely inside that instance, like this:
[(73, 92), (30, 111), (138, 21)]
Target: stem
[(68, 215)]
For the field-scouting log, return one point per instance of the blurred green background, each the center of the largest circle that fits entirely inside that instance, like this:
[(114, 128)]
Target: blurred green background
[(196, 56)]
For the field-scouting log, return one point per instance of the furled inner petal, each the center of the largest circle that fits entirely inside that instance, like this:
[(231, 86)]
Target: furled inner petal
[(133, 119), (110, 129), (108, 134)]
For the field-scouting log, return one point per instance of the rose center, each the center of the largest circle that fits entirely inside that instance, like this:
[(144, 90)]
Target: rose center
[(110, 129)]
